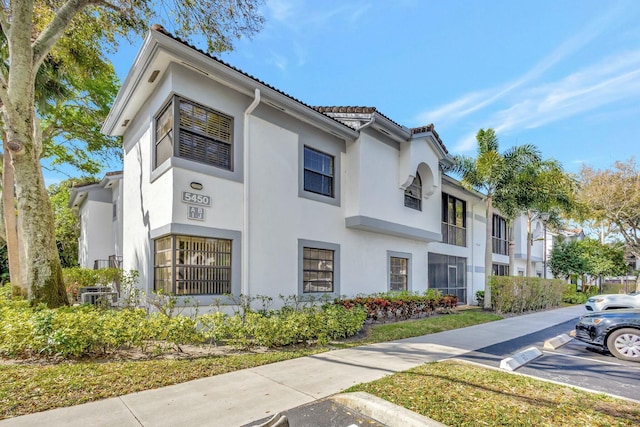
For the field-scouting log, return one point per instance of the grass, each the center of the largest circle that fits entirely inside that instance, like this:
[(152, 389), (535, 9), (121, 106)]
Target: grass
[(459, 394), (28, 388), (416, 328), (25, 389)]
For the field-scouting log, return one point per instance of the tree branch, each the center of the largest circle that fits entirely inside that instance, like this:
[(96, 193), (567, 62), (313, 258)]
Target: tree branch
[(47, 38), (4, 23)]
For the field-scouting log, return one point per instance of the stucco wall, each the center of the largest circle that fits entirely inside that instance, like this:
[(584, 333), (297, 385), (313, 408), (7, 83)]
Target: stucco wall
[(96, 240), (368, 179)]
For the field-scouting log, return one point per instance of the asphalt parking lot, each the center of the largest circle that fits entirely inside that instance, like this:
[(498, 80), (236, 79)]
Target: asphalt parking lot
[(575, 363)]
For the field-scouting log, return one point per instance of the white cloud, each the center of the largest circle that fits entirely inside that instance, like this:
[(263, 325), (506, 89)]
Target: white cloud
[(279, 10), (302, 23), (467, 143), (477, 100), (612, 80)]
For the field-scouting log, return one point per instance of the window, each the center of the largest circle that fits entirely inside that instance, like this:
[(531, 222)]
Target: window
[(202, 135), (398, 273), (448, 274), (500, 239), (413, 194), (186, 265), (318, 172), (454, 220), (318, 268), (500, 270)]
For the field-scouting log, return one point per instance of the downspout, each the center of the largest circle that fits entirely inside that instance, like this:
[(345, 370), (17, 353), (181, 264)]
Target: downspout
[(369, 123), (246, 195)]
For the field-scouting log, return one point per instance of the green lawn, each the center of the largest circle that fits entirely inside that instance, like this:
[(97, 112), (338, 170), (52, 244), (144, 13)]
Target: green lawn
[(459, 394)]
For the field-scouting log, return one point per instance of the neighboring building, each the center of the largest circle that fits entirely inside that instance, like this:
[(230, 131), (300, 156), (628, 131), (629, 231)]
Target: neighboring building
[(231, 186), (99, 207)]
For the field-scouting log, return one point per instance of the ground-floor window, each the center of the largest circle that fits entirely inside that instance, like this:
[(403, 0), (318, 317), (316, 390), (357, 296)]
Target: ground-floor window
[(187, 265), (500, 270), (448, 274), (317, 270), (398, 273)]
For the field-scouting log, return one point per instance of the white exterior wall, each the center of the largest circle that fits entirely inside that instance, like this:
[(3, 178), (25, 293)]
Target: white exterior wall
[(117, 221), (278, 216), (473, 252), (371, 172), (96, 240), (379, 193), (520, 248)]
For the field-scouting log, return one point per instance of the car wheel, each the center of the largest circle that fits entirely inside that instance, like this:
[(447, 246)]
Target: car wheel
[(625, 344)]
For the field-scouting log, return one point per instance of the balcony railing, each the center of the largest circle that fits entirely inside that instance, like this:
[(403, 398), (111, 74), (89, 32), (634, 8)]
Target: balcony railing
[(454, 235), (114, 261), (500, 246)]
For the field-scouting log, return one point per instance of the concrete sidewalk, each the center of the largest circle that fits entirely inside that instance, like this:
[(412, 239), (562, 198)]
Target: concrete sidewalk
[(240, 397)]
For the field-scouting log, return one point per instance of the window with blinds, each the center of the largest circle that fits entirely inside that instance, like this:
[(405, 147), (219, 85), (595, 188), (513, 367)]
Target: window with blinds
[(202, 135), (318, 172), (413, 194)]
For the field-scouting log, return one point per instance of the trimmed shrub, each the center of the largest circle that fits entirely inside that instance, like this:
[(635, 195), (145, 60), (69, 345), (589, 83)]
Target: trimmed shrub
[(72, 332), (511, 294), (401, 305)]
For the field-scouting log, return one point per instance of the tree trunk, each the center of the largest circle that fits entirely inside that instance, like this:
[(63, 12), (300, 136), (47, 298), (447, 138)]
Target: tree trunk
[(528, 268), (512, 245), (44, 275), (13, 252), (23, 143), (488, 253)]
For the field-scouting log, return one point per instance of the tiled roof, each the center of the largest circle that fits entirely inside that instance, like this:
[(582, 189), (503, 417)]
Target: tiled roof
[(323, 110), (351, 109), (430, 128), (159, 28), (86, 184), (93, 181), (336, 109)]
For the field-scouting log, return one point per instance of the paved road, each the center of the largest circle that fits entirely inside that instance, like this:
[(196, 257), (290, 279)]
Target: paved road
[(575, 363)]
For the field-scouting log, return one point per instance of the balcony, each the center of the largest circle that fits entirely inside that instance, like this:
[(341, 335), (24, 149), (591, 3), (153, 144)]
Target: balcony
[(114, 261)]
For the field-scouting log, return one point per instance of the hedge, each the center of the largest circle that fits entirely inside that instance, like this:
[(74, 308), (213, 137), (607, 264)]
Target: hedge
[(515, 294)]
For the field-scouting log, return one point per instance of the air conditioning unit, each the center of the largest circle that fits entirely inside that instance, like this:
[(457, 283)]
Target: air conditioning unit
[(96, 294)]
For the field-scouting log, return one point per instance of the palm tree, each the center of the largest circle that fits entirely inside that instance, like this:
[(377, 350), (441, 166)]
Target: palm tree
[(542, 191), (492, 173)]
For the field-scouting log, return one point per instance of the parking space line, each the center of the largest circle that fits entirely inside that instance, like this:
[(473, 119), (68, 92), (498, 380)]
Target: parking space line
[(585, 358)]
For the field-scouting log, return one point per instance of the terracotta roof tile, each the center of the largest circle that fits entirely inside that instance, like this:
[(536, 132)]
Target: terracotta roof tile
[(430, 128), (352, 109)]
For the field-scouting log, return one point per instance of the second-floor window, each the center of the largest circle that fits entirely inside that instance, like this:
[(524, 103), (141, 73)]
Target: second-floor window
[(500, 240), (454, 220), (318, 172), (191, 131), (413, 194)]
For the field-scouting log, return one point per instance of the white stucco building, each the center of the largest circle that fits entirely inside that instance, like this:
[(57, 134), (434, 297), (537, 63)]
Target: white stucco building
[(232, 186)]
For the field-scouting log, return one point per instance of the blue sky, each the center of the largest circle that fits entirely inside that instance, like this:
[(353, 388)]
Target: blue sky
[(562, 75)]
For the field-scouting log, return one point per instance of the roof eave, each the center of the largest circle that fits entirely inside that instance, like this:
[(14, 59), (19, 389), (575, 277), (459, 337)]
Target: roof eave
[(220, 72)]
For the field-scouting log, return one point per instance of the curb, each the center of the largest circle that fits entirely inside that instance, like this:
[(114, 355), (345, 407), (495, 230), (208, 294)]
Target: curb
[(383, 411), (556, 342), (520, 359)]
